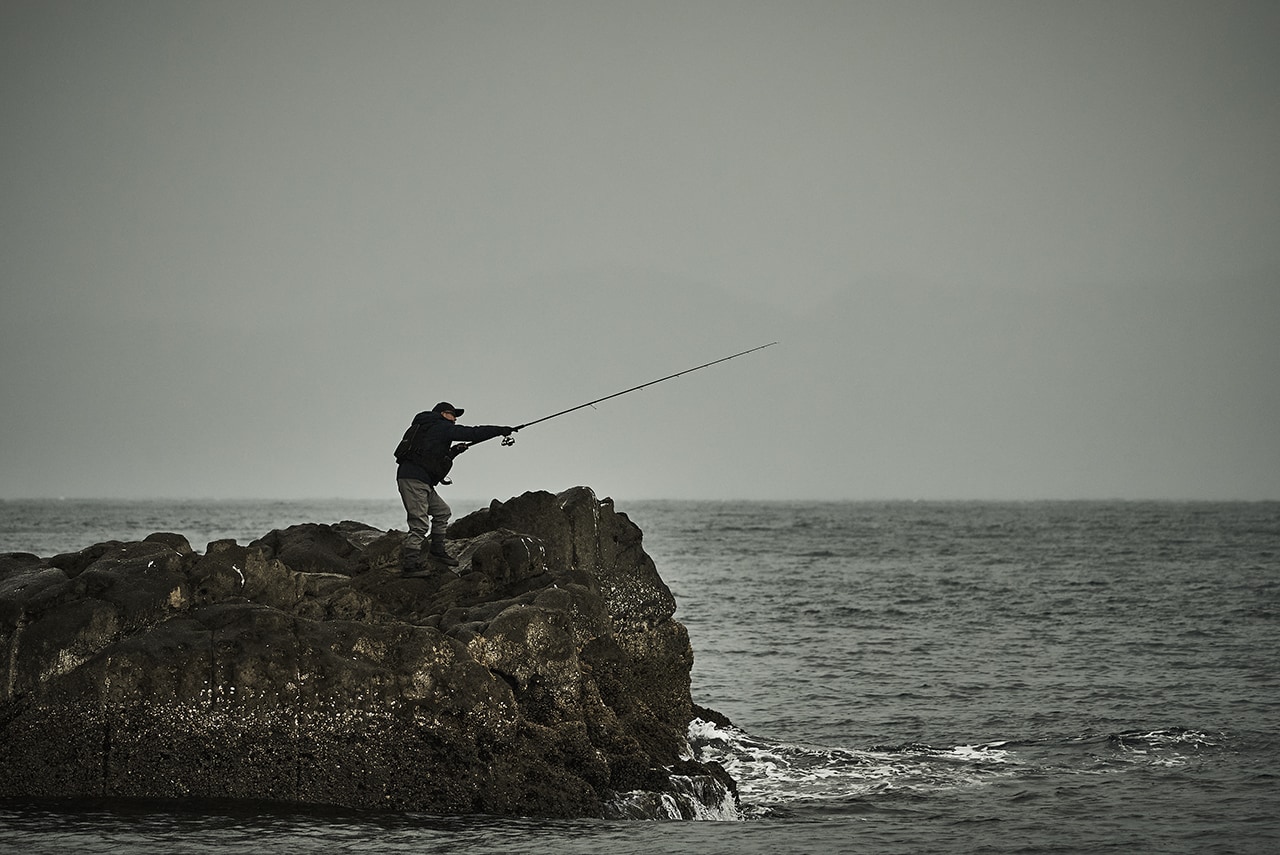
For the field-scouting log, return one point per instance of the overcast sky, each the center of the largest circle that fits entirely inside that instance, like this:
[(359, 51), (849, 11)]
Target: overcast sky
[(1009, 250)]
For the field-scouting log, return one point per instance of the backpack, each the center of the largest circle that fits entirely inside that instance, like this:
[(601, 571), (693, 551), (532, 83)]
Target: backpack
[(412, 450)]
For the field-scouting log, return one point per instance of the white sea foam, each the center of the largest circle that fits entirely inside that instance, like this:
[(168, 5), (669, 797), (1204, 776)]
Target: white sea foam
[(775, 774)]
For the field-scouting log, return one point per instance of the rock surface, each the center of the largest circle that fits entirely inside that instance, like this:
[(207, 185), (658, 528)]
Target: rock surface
[(547, 677)]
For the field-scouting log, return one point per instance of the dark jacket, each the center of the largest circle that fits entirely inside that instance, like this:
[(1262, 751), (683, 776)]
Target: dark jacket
[(437, 435)]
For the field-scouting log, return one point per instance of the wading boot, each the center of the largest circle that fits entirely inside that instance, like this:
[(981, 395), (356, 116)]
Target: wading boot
[(440, 553)]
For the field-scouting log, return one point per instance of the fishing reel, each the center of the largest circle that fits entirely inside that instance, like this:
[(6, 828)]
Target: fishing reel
[(508, 440)]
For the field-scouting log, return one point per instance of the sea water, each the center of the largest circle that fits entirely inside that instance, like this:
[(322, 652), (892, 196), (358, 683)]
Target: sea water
[(900, 677)]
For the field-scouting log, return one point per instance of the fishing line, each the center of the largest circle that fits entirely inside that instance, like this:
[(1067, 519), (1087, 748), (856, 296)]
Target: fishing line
[(510, 440)]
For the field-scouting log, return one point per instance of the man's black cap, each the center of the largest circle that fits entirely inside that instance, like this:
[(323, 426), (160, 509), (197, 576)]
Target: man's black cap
[(445, 406)]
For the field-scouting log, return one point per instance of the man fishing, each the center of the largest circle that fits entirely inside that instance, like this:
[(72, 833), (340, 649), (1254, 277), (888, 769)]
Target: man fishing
[(425, 456)]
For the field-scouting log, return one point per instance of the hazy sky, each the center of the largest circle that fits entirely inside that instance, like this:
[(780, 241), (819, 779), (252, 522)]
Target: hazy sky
[(1008, 249)]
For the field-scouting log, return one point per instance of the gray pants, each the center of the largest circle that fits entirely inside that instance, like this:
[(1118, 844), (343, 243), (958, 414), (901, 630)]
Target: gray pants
[(425, 510)]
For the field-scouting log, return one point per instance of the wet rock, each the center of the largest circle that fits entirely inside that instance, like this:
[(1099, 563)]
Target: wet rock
[(547, 676)]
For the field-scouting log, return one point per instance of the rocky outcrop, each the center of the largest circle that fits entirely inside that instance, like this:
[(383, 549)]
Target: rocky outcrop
[(546, 677)]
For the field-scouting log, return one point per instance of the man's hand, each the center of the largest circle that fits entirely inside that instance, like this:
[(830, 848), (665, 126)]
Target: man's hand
[(458, 449)]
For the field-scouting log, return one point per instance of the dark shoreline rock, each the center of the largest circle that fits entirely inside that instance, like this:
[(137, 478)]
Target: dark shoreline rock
[(547, 677)]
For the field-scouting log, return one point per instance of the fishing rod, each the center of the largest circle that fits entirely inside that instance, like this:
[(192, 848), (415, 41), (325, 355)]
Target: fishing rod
[(510, 440)]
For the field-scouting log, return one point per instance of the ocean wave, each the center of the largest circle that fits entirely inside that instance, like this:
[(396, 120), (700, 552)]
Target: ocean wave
[(776, 776), (779, 778)]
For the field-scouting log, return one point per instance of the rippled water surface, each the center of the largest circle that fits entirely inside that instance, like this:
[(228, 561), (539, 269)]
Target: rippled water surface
[(901, 677)]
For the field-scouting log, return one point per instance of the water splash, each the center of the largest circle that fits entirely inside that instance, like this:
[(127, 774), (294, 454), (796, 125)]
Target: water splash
[(698, 797), (778, 776)]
